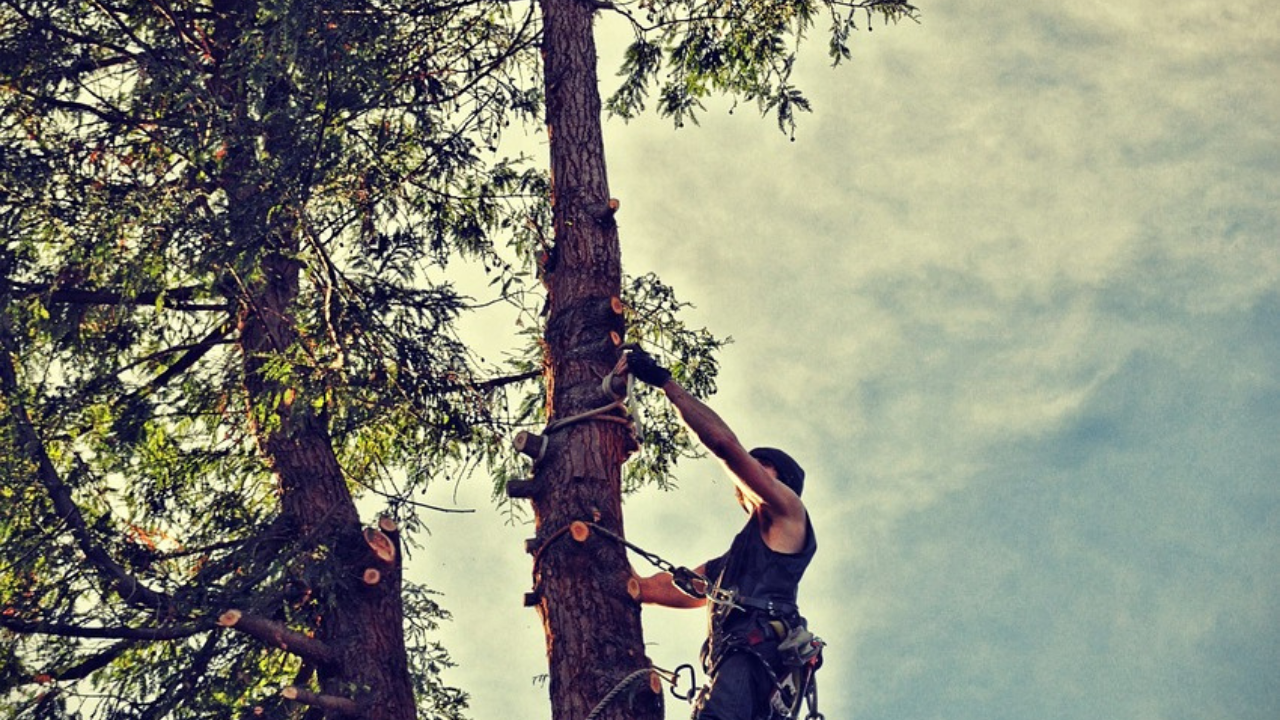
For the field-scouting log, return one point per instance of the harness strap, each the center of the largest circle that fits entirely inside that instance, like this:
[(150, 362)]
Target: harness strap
[(775, 608)]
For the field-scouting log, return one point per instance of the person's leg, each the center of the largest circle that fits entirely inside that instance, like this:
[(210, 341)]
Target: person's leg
[(736, 691)]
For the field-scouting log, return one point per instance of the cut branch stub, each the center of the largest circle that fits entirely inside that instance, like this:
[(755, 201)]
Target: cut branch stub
[(633, 588), (579, 530), (328, 703), (380, 544), (603, 212), (372, 576), (277, 635), (530, 444), (522, 488)]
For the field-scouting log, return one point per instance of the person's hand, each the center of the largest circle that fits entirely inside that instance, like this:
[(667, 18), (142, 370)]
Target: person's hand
[(645, 368)]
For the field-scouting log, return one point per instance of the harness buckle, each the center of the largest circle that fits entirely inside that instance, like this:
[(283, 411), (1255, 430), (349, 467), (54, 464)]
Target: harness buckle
[(683, 578)]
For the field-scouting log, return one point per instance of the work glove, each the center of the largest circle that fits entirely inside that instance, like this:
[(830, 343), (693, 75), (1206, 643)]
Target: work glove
[(647, 370)]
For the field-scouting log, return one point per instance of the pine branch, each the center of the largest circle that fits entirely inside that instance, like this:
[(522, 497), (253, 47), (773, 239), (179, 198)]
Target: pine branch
[(276, 635), (89, 666), (172, 632), (130, 588), (186, 685), (184, 363), (173, 299)]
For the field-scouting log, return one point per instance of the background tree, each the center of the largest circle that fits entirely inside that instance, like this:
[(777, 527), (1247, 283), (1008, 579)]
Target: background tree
[(225, 317), (230, 229)]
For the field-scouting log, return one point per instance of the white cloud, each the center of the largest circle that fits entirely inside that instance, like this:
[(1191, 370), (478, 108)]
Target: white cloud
[(1011, 296)]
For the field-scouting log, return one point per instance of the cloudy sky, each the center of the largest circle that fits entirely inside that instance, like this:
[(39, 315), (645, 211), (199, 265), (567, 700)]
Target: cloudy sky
[(1013, 298)]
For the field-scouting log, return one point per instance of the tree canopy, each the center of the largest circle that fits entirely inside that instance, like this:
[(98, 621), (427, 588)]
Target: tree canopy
[(232, 237)]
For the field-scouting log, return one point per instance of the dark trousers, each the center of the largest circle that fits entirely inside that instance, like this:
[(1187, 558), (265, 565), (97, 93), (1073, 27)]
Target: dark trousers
[(740, 690)]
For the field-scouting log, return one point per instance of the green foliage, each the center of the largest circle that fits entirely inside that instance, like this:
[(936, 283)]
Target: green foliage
[(691, 49), (159, 164), (690, 353)]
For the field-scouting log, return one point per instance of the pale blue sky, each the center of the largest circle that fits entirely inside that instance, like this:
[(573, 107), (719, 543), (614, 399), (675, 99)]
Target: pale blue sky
[(1012, 297)]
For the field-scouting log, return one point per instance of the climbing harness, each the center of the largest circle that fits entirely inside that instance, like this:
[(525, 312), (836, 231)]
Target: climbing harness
[(801, 653), (796, 653), (797, 657)]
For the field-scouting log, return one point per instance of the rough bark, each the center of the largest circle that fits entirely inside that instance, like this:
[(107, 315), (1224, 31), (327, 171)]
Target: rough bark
[(592, 625)]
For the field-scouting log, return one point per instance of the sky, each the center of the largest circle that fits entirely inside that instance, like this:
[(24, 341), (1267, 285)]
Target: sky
[(1012, 296)]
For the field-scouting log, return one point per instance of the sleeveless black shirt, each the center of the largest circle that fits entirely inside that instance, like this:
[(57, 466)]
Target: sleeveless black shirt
[(752, 569)]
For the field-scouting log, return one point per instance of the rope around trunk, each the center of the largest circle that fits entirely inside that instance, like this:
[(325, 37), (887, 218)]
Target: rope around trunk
[(617, 690)]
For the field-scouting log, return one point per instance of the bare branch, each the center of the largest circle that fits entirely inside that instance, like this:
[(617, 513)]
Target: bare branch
[(26, 627), (188, 359), (174, 299), (276, 635), (90, 665), (498, 382), (328, 703)]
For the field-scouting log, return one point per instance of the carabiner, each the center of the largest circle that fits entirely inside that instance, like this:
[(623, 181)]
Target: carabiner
[(693, 683)]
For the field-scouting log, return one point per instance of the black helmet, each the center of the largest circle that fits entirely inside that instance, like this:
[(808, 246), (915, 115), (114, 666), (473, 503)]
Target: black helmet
[(789, 471)]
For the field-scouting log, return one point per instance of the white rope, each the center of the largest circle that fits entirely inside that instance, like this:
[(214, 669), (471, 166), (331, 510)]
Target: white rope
[(623, 402)]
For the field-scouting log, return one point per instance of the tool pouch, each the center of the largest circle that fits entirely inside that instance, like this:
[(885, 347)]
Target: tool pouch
[(801, 647)]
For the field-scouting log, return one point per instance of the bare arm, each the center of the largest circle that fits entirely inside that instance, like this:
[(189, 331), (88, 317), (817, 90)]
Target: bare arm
[(660, 590), (775, 500), (777, 508)]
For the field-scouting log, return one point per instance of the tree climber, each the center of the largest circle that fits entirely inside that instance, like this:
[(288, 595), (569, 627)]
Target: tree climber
[(759, 655)]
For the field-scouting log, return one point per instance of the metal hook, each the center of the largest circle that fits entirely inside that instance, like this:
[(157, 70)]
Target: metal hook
[(693, 683)]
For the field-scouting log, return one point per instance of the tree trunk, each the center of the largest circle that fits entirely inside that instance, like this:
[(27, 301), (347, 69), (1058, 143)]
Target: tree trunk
[(592, 625), (361, 622)]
